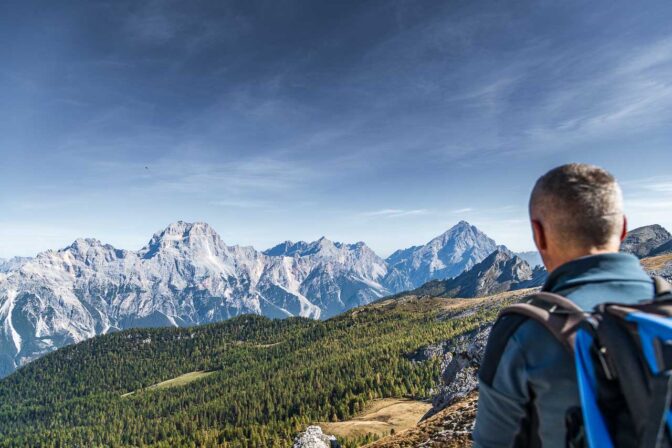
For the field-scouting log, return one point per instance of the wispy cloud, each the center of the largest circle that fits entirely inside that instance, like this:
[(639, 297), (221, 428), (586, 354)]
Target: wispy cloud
[(661, 187), (622, 88), (649, 201), (396, 213)]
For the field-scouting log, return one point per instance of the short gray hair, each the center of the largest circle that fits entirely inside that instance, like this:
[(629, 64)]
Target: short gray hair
[(582, 203)]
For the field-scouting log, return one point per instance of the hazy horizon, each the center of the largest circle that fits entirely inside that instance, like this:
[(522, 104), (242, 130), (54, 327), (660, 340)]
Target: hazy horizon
[(384, 121)]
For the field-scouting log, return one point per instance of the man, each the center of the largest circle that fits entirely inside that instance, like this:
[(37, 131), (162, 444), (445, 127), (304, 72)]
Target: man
[(577, 218)]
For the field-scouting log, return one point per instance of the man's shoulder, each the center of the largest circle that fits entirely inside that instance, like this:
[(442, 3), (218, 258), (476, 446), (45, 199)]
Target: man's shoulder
[(532, 335), (518, 340)]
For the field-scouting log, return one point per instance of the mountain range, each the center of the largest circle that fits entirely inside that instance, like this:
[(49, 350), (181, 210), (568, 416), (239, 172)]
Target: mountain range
[(249, 380), (186, 275)]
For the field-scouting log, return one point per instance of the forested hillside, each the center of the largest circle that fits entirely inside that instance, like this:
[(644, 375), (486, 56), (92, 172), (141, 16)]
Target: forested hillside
[(271, 377)]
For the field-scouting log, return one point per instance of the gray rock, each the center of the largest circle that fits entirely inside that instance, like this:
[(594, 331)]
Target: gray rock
[(663, 249), (461, 359), (642, 241), (664, 272), (313, 437)]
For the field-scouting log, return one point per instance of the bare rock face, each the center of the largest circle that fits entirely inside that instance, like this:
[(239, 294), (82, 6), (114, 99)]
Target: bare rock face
[(462, 357), (500, 271), (645, 241), (446, 256), (313, 437), (663, 249)]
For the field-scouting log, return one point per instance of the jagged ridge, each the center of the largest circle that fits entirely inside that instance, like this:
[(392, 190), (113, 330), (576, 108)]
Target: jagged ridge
[(186, 275)]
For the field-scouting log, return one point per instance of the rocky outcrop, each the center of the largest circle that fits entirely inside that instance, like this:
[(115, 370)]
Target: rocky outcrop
[(660, 265), (459, 368), (645, 241), (663, 249), (313, 437)]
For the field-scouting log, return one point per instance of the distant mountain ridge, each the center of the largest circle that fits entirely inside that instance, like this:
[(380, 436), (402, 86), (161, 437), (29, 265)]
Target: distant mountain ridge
[(532, 257), (501, 271), (12, 263), (186, 275), (446, 256)]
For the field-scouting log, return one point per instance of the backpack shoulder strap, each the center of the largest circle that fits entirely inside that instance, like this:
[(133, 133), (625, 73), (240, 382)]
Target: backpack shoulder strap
[(661, 286), (559, 315)]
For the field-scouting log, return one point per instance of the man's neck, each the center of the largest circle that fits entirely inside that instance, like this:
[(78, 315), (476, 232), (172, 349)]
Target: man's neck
[(556, 262)]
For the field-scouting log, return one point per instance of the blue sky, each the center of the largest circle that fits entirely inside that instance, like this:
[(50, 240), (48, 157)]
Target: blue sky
[(382, 121)]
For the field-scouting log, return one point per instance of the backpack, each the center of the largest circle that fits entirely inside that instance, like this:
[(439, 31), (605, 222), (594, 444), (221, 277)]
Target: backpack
[(623, 361)]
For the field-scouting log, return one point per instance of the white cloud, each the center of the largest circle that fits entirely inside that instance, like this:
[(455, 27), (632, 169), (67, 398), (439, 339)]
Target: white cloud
[(459, 211), (648, 201), (396, 213)]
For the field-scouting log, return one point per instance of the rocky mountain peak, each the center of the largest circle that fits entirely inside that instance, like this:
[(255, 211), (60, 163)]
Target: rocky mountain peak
[(82, 245), (184, 230), (460, 231), (642, 241), (445, 256), (183, 237), (323, 246), (89, 250), (286, 249)]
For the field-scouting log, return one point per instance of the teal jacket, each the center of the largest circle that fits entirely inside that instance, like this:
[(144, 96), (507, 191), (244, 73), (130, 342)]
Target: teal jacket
[(535, 374)]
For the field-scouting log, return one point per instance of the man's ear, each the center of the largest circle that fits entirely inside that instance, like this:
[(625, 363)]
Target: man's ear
[(539, 235), (624, 230)]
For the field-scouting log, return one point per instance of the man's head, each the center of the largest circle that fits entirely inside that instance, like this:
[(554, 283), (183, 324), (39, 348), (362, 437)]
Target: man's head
[(576, 210)]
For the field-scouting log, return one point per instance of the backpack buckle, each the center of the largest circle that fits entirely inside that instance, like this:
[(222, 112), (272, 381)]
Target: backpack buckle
[(604, 362)]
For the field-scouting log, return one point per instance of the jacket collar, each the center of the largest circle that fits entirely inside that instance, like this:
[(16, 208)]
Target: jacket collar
[(596, 269)]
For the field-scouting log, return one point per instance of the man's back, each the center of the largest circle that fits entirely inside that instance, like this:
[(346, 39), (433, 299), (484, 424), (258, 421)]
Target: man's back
[(535, 382)]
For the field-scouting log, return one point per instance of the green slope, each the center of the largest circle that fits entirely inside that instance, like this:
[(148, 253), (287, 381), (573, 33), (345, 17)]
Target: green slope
[(271, 377)]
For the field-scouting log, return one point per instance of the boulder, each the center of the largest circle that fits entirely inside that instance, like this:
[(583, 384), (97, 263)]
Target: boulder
[(313, 437)]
